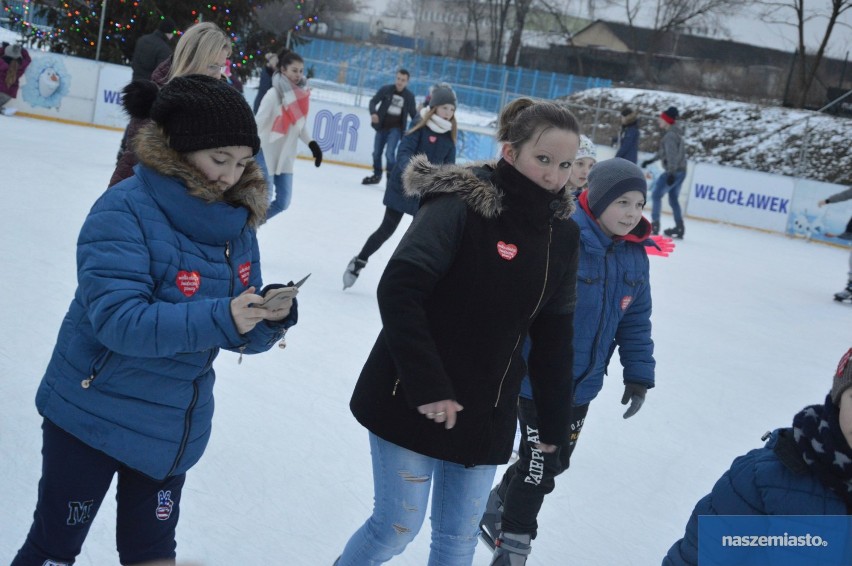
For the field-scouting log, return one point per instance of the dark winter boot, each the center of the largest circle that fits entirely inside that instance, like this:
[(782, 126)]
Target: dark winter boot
[(845, 294), (353, 270), (512, 550), (655, 228), (491, 519), (676, 232), (371, 180)]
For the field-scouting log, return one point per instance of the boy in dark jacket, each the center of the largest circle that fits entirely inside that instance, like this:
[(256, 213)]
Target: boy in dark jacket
[(802, 470), (613, 309), (390, 110)]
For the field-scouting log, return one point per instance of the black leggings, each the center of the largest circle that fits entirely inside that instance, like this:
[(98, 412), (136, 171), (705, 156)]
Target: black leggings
[(528, 480), (380, 236)]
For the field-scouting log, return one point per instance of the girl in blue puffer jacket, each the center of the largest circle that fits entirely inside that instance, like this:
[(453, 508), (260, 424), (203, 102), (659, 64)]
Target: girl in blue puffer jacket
[(613, 309), (802, 470), (168, 270)]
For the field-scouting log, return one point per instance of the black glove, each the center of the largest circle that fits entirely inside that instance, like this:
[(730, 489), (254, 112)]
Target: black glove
[(315, 149), (647, 162), (635, 393), (670, 179)]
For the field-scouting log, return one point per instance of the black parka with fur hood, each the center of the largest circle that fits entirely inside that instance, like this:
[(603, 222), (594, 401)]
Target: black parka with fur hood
[(489, 258)]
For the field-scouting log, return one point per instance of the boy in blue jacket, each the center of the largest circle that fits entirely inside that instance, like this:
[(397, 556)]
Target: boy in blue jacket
[(168, 270), (805, 469), (613, 309)]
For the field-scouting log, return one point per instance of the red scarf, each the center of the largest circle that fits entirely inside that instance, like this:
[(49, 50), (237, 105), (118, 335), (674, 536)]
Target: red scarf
[(295, 102)]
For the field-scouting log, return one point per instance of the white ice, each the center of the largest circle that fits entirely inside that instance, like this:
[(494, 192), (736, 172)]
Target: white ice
[(745, 328)]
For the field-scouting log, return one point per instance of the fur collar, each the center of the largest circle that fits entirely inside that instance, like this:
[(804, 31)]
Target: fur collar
[(421, 178), (251, 191)]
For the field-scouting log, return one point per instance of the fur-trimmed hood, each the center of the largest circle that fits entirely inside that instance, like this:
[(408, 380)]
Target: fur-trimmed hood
[(251, 191), (422, 178)]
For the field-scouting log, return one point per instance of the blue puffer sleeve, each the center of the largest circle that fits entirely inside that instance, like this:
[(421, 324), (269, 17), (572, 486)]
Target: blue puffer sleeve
[(115, 284), (633, 335)]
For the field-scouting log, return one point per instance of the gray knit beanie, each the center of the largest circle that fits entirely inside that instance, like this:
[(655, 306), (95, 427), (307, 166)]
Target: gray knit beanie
[(442, 94), (611, 178), (842, 377)]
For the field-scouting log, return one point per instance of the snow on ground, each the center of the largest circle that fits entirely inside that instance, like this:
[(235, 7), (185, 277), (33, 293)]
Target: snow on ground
[(745, 329)]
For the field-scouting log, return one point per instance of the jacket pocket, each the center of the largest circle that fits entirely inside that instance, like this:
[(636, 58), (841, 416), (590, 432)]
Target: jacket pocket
[(97, 369), (634, 279)]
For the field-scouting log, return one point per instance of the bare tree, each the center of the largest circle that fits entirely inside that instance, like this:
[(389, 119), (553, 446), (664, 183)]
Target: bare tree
[(476, 12), (558, 12), (522, 7), (497, 14), (673, 16), (778, 12)]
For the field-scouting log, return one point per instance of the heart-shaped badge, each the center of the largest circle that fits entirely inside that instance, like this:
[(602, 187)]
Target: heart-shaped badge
[(507, 251), (188, 282), (433, 139), (244, 272)]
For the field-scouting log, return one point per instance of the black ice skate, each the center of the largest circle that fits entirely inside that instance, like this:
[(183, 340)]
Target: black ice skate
[(491, 519), (353, 270), (676, 232), (844, 296), (371, 180)]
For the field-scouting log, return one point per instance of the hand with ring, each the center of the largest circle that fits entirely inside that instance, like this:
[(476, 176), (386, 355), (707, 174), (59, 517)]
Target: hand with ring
[(441, 412)]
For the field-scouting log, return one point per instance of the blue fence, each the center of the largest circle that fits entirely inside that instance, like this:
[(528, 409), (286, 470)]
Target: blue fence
[(478, 85)]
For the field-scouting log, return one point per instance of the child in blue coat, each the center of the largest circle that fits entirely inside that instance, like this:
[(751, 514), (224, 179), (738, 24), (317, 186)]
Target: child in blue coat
[(168, 270), (433, 135), (805, 469), (613, 309)]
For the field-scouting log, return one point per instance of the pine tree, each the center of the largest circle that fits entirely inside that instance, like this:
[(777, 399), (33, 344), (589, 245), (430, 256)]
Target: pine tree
[(72, 26)]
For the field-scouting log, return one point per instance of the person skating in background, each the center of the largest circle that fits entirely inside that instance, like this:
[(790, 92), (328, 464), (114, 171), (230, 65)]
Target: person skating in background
[(489, 258), (390, 110), (587, 156), (846, 294), (282, 120), (168, 269), (14, 60), (628, 137), (433, 135), (202, 49), (672, 152), (152, 49), (613, 310), (265, 78), (805, 469)]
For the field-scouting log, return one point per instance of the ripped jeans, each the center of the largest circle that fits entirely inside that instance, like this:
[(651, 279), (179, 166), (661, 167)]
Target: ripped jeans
[(402, 480)]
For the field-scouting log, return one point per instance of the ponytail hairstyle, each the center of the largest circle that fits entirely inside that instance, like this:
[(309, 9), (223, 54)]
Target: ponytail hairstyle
[(525, 118), (285, 57)]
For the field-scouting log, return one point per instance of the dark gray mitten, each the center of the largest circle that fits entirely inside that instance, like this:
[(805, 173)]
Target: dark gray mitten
[(316, 152), (635, 394)]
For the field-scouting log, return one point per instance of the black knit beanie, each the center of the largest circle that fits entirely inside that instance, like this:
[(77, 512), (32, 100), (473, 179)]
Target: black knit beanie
[(611, 178), (199, 112)]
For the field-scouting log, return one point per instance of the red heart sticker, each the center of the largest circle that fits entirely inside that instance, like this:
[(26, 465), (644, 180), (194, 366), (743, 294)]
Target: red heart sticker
[(625, 302), (507, 251), (188, 282), (433, 139), (244, 271)]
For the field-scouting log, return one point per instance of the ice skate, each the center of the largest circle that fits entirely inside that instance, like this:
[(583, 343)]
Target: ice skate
[(7, 111), (512, 550), (844, 296), (353, 270), (655, 228), (491, 519), (676, 232), (371, 180)]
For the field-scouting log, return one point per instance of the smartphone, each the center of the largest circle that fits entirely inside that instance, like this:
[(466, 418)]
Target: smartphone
[(278, 297)]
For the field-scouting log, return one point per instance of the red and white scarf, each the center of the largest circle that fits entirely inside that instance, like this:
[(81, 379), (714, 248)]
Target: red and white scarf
[(295, 102)]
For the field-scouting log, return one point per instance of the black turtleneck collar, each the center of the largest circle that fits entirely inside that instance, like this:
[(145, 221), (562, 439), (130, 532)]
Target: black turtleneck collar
[(539, 204)]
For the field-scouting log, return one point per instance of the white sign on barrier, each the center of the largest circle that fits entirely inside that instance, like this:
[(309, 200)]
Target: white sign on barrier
[(111, 80), (747, 198)]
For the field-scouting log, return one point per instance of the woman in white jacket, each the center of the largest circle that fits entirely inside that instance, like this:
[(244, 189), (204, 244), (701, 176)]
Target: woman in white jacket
[(282, 119)]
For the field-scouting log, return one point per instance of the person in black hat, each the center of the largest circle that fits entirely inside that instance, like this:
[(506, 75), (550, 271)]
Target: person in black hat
[(168, 272), (628, 138), (152, 49)]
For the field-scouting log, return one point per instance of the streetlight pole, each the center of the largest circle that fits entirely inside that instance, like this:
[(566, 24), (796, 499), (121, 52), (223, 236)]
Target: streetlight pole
[(101, 30)]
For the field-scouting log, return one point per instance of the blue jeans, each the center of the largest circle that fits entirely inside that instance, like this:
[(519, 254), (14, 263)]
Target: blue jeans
[(283, 193), (661, 187), (402, 480), (386, 140)]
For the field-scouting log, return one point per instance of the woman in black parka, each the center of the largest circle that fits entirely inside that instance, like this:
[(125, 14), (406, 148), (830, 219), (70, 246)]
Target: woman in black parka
[(490, 257)]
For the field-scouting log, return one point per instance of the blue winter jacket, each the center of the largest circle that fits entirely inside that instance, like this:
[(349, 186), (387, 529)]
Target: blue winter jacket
[(613, 308), (628, 147), (131, 373), (439, 149), (765, 481)]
